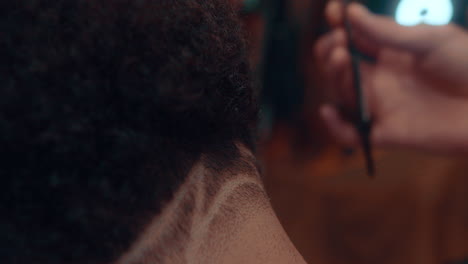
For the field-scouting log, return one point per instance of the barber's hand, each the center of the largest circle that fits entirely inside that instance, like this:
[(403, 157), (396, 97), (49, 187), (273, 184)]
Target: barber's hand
[(417, 90)]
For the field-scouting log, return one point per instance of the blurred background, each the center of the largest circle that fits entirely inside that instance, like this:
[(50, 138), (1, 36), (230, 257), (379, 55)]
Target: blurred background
[(414, 211)]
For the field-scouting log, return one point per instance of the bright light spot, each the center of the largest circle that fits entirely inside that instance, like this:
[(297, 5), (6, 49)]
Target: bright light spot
[(432, 12)]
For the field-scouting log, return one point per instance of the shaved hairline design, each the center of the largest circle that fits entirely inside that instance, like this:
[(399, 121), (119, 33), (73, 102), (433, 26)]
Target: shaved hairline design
[(212, 195)]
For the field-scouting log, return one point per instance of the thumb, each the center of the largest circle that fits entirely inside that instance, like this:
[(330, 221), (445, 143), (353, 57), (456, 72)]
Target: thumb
[(384, 31)]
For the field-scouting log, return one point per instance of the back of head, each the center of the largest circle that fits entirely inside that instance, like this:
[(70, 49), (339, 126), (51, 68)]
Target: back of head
[(104, 108)]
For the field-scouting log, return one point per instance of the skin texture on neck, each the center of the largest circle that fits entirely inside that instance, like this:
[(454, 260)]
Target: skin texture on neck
[(216, 217)]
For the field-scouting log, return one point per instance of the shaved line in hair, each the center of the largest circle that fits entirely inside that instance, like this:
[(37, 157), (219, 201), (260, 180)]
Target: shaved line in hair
[(211, 195)]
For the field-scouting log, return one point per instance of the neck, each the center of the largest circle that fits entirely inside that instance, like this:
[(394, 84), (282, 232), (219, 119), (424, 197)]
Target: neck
[(216, 217)]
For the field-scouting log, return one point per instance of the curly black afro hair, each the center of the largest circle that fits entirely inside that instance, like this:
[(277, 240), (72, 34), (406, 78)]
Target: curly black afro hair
[(105, 105)]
